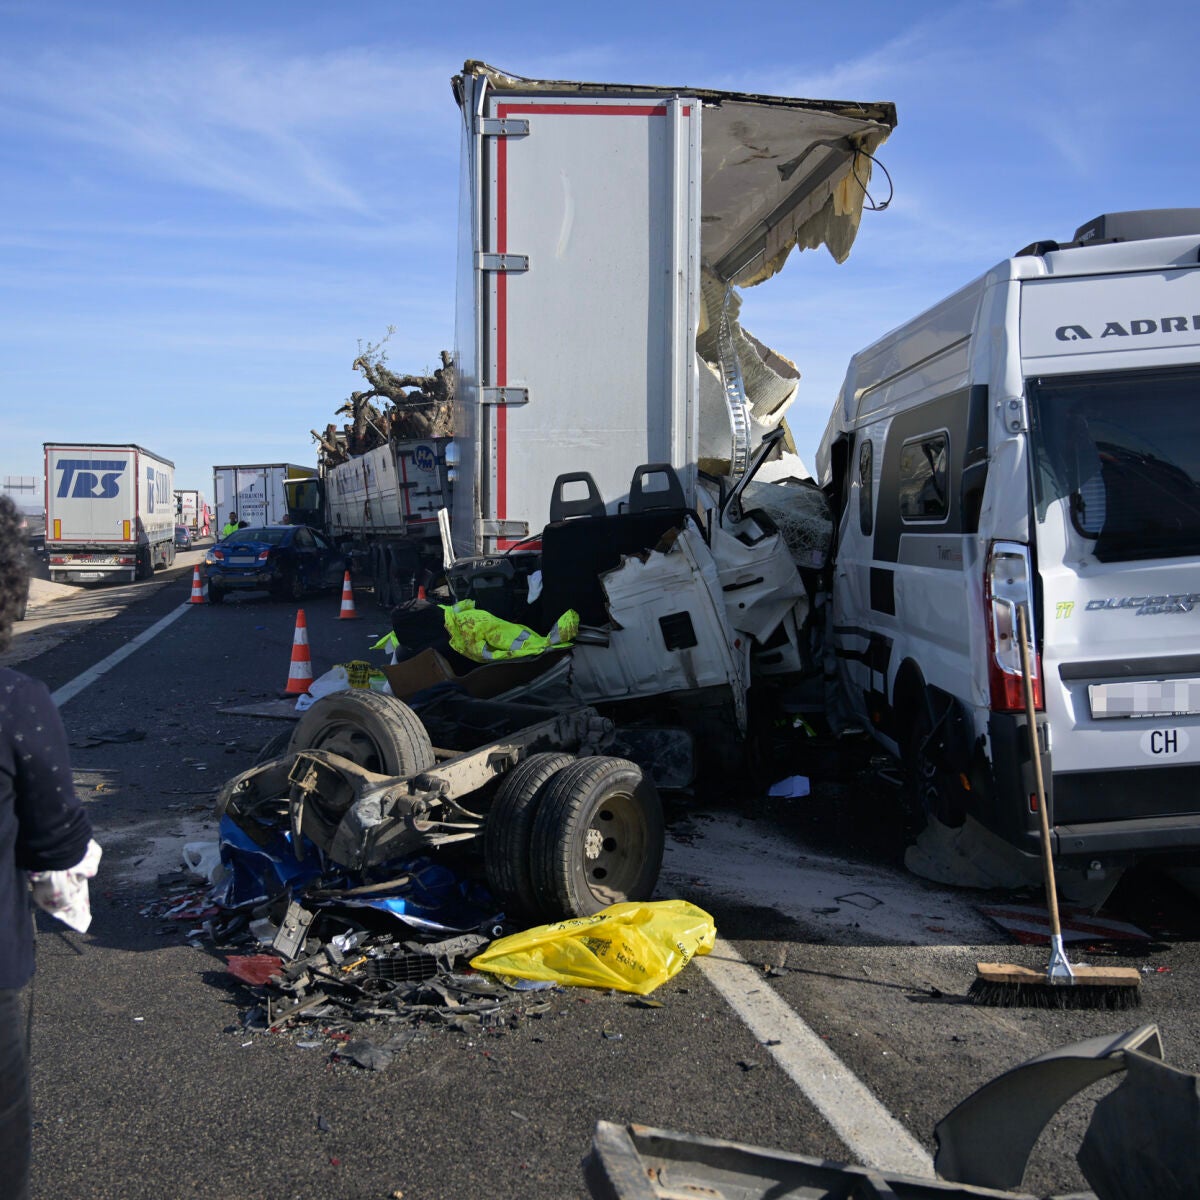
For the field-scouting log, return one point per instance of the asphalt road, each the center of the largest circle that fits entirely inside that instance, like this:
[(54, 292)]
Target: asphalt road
[(147, 1085)]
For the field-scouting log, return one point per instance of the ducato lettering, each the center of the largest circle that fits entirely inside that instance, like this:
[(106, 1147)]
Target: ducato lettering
[(1148, 606), (89, 479)]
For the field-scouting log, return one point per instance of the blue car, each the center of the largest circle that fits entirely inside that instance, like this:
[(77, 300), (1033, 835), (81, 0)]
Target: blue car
[(285, 560)]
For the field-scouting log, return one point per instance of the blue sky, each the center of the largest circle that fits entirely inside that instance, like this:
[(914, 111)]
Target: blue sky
[(205, 209)]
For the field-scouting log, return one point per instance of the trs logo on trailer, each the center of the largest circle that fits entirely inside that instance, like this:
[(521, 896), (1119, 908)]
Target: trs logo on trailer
[(90, 478)]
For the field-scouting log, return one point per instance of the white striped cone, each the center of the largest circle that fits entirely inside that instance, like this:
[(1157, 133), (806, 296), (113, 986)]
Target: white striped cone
[(349, 612), (300, 673), (197, 587)]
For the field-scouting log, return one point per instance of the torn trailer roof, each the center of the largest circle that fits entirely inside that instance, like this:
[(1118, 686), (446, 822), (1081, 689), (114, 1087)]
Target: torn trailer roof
[(777, 172)]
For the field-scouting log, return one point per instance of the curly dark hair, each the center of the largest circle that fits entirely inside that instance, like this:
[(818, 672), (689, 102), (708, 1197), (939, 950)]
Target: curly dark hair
[(14, 568)]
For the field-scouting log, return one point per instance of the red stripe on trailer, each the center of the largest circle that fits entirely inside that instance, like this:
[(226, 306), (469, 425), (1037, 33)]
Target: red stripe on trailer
[(502, 111), (502, 322)]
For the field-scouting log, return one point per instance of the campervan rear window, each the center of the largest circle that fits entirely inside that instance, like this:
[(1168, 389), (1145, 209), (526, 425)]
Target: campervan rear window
[(1123, 449)]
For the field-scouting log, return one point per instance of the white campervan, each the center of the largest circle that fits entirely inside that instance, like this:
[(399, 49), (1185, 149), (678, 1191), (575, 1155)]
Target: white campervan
[(1034, 440)]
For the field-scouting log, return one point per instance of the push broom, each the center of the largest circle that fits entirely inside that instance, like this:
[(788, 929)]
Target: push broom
[(1063, 984)]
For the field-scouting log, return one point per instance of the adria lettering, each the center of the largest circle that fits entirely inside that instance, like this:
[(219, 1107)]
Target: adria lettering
[(1138, 327)]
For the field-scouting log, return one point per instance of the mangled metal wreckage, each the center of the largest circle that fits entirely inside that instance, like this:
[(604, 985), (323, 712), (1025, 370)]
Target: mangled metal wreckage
[(622, 453)]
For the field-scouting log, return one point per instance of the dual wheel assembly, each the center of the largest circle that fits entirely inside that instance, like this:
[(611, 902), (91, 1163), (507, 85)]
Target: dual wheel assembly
[(566, 837)]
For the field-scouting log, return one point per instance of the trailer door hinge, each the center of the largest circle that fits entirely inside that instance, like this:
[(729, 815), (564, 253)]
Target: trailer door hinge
[(485, 261), (504, 127), (504, 395)]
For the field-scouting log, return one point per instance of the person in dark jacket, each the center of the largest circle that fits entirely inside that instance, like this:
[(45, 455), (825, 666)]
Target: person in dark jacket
[(42, 828)]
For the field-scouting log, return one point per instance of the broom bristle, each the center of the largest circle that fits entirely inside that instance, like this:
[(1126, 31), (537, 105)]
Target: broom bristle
[(1054, 995)]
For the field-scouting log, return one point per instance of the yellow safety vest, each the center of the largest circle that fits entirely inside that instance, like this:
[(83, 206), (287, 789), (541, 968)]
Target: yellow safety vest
[(482, 637)]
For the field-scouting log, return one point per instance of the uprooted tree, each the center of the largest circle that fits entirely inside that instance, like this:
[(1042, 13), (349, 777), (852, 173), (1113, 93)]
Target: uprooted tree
[(414, 406)]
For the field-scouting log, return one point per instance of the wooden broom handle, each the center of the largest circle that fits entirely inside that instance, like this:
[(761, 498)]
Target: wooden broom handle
[(1039, 783)]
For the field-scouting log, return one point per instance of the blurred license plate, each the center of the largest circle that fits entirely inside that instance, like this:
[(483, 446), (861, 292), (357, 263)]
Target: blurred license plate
[(1145, 698), (242, 560)]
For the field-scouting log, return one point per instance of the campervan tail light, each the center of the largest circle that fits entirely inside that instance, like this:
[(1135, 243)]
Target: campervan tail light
[(1008, 585)]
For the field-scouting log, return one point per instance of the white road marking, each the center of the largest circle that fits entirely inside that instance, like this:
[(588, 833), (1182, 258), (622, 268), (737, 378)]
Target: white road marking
[(69, 691), (873, 1136)]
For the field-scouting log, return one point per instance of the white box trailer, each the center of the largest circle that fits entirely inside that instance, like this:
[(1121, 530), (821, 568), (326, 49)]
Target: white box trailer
[(1033, 442), (110, 512), (191, 509), (602, 231), (254, 491)]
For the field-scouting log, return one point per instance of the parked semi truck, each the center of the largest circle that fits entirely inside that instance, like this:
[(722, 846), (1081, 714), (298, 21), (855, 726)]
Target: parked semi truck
[(381, 508), (1032, 443), (255, 491), (110, 512), (191, 509)]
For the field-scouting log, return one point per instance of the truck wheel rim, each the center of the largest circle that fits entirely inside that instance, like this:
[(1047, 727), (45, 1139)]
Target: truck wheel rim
[(352, 742), (613, 848)]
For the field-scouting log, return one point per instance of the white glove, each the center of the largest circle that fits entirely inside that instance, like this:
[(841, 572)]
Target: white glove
[(64, 894)]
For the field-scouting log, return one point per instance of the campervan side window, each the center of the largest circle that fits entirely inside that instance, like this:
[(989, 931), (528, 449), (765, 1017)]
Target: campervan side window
[(866, 490), (924, 492)]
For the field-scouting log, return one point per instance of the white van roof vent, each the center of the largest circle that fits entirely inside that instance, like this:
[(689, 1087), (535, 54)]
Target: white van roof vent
[(1139, 225), (1136, 226)]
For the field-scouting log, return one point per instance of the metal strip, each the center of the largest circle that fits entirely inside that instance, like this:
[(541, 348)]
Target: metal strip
[(504, 395), (507, 263), (504, 127)]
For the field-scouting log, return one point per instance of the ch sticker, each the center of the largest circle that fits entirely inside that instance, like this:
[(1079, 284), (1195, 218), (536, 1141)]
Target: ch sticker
[(1063, 609)]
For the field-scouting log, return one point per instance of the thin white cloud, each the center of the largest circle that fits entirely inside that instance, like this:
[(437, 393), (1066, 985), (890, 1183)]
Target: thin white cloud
[(283, 132)]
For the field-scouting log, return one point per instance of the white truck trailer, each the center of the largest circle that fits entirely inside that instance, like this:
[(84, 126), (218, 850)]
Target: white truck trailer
[(191, 509), (1032, 442), (254, 491), (110, 512), (603, 231), (381, 508)]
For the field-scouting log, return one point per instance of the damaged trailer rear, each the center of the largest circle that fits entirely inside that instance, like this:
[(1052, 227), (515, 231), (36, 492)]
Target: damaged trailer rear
[(610, 410), (603, 232)]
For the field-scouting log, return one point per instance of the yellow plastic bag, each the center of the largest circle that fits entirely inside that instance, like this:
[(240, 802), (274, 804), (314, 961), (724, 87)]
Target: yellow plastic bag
[(632, 947)]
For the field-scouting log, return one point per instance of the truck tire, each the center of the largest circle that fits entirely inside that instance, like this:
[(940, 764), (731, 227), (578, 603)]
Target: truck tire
[(598, 838), (509, 828), (145, 564), (377, 732)]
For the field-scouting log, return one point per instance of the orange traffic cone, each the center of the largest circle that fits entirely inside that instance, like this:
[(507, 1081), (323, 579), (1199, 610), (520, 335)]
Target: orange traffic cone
[(300, 673), (197, 588), (349, 612)]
